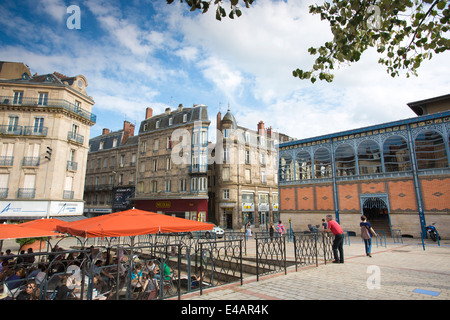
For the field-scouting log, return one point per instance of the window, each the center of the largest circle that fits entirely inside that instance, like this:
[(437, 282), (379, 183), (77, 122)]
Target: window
[(182, 185), (226, 133), (169, 143), (168, 163), (202, 184), (194, 184), (18, 96), (345, 160), (286, 168), (226, 155), (369, 157), (13, 123), (247, 156), (156, 145), (157, 124), (322, 163), (184, 117), (144, 147), (430, 150), (226, 194), (141, 187), (303, 164), (4, 178), (263, 177), (100, 146), (122, 161), (170, 121), (154, 186), (114, 143), (43, 98), (168, 185), (38, 125), (396, 155), (262, 158)]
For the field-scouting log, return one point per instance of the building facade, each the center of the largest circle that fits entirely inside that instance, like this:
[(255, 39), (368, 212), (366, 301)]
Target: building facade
[(111, 171), (45, 122), (172, 163), (243, 178), (396, 173)]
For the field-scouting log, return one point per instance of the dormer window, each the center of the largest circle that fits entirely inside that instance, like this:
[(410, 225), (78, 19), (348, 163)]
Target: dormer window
[(157, 124), (185, 117), (170, 121)]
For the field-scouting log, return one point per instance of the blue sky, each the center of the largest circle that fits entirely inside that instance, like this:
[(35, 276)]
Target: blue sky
[(144, 53)]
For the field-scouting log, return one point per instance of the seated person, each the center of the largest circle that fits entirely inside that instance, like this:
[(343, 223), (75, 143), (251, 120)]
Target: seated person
[(136, 278), (196, 279), (166, 272), (31, 292)]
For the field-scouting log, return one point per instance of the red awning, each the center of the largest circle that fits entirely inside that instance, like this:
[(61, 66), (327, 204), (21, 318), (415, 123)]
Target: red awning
[(14, 231), (131, 222)]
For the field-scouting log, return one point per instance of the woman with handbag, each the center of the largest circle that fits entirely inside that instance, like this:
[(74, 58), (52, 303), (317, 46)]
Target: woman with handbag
[(366, 234)]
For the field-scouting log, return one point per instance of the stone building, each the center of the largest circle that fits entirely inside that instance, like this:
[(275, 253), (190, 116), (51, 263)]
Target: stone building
[(45, 122), (172, 163), (243, 176), (111, 171), (396, 173)]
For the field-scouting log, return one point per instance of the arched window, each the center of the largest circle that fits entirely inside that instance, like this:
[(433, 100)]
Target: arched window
[(286, 168), (322, 163), (345, 161), (303, 164), (430, 150), (369, 157), (396, 155)]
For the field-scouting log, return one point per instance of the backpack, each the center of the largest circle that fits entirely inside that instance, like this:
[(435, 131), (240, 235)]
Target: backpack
[(365, 232)]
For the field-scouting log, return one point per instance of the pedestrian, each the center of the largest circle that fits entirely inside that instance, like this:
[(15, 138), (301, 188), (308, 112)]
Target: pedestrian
[(280, 229), (248, 228), (338, 242), (324, 225), (271, 230), (366, 234)]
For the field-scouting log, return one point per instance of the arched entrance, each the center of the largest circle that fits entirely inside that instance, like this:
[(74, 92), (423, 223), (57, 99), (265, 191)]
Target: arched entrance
[(376, 210)]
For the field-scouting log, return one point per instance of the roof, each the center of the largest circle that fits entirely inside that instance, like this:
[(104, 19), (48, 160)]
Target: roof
[(196, 113)]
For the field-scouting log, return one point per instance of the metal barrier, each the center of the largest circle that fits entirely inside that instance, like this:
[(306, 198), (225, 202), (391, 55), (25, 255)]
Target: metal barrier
[(397, 235), (305, 248), (270, 255)]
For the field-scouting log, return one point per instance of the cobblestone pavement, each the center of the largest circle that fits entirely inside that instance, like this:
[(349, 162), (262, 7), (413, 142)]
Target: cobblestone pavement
[(401, 271)]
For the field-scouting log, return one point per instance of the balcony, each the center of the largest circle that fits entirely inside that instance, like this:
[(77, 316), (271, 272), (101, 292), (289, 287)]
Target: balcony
[(31, 162), (26, 193), (198, 168), (11, 130), (52, 103), (6, 161), (75, 137), (68, 194), (35, 131), (72, 165), (3, 192)]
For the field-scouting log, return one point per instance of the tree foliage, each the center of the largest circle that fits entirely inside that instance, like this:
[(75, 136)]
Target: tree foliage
[(404, 32)]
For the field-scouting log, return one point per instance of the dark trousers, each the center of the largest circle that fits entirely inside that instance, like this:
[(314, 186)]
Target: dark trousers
[(338, 247)]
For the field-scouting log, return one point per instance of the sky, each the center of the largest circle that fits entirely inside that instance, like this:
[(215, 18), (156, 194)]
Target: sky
[(145, 53)]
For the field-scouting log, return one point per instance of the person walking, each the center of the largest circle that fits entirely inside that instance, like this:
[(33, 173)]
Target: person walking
[(338, 242), (366, 234)]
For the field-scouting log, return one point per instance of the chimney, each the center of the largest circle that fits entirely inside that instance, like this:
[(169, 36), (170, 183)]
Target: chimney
[(167, 111), (128, 131), (261, 128), (219, 120), (269, 131), (105, 131), (180, 107), (148, 113)]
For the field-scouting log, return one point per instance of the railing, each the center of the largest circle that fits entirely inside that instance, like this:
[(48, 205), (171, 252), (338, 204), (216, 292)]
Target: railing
[(198, 168), (3, 192), (6, 161), (270, 255), (35, 131), (54, 103), (397, 235), (11, 130), (28, 193), (68, 194), (72, 165), (31, 161), (73, 136)]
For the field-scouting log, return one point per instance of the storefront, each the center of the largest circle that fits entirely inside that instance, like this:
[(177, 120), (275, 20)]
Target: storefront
[(192, 209)]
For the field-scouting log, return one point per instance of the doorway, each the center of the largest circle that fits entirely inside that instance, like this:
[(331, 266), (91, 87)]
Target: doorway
[(376, 210)]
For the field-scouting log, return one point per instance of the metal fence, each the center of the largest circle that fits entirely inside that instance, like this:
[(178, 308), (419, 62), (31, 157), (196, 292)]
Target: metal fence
[(270, 254)]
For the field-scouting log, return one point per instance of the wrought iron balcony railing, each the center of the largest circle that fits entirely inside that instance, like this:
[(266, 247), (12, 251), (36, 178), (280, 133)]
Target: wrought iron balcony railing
[(28, 193), (54, 103), (31, 161), (72, 136), (6, 161)]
